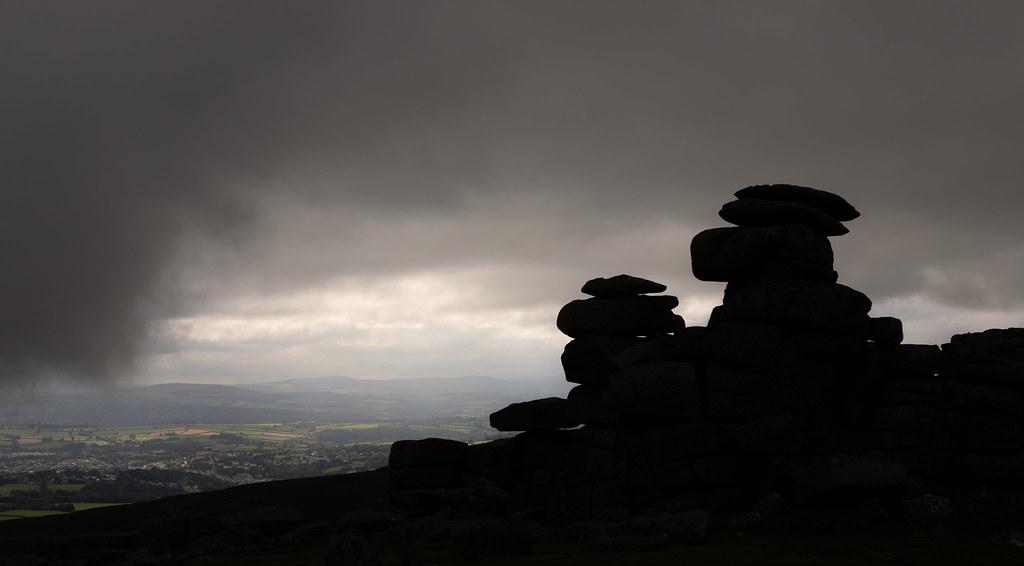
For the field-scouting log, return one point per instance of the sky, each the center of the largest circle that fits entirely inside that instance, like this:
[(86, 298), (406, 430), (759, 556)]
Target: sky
[(227, 191)]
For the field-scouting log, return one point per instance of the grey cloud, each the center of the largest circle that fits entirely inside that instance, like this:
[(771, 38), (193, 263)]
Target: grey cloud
[(157, 155)]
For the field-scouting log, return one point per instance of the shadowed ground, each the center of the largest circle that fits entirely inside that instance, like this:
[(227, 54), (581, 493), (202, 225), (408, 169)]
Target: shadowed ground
[(349, 520)]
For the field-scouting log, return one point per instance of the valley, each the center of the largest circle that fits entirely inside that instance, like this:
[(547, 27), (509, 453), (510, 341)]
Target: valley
[(62, 452)]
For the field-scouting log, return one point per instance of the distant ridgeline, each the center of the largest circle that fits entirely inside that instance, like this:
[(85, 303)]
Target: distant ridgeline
[(792, 394)]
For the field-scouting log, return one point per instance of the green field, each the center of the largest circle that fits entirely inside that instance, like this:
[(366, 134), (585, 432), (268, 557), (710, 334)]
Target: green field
[(298, 435), (45, 437), (301, 440), (7, 488), (27, 513), (267, 450), (10, 514), (87, 506)]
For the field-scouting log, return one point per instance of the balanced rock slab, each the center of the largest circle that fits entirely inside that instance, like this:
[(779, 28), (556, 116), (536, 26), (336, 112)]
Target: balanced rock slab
[(732, 254), (886, 330), (797, 302), (830, 203), (634, 316), (621, 286), (590, 360), (756, 213), (540, 414)]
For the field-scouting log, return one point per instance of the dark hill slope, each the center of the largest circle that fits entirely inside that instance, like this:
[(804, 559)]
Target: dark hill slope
[(351, 520)]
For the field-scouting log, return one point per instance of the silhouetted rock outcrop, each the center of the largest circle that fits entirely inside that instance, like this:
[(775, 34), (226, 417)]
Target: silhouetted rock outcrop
[(793, 411), (792, 395), (621, 286), (758, 213), (624, 316), (541, 414), (736, 254), (829, 203)]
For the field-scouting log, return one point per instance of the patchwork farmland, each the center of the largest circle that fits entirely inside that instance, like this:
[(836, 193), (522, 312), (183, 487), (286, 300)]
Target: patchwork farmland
[(49, 469)]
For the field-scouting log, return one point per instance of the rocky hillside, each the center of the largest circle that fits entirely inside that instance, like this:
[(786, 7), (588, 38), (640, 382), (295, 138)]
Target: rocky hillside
[(795, 427)]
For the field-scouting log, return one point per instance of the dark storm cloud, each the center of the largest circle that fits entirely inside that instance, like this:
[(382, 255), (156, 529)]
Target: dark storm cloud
[(118, 120), (157, 153)]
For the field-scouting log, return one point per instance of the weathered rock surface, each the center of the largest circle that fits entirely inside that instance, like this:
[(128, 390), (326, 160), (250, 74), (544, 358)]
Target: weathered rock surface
[(995, 356), (634, 316), (678, 347), (757, 213), (736, 254), (994, 334), (989, 397), (621, 286), (689, 439), (917, 361), (659, 391), (776, 349), (731, 393), (590, 360), (540, 414), (771, 436), (829, 203), (816, 477), (885, 330), (796, 302), (588, 402)]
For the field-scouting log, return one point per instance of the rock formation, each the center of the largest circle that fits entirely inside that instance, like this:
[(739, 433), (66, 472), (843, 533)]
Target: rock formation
[(793, 412), (792, 395)]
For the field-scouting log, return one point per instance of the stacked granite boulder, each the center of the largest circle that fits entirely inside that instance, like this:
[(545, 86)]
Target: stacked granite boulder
[(662, 410), (791, 391), (783, 368), (634, 362), (623, 354), (909, 415), (952, 416), (788, 343), (987, 403)]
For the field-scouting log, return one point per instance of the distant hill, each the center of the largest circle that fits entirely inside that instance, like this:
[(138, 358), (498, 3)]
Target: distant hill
[(319, 398)]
